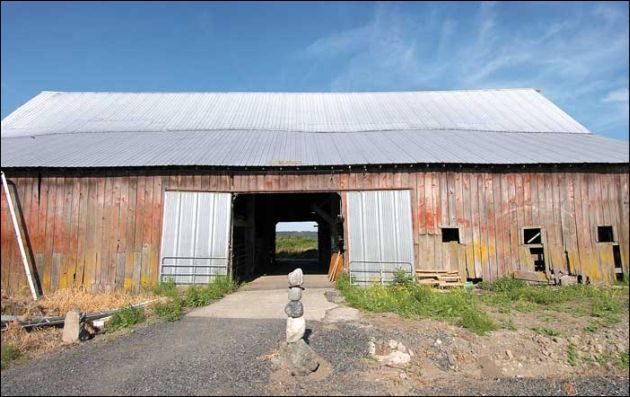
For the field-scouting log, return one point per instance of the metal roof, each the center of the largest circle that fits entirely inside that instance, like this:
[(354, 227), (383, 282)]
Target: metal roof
[(518, 126)]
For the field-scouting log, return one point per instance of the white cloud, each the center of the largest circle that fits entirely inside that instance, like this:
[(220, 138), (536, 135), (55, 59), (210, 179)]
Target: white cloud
[(576, 59), (620, 95)]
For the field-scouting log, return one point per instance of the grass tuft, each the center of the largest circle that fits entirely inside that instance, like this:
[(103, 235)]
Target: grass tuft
[(572, 355), (9, 353), (547, 331), (169, 311)]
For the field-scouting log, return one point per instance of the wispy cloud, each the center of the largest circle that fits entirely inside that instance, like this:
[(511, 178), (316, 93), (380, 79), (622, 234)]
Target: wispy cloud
[(621, 95), (578, 54)]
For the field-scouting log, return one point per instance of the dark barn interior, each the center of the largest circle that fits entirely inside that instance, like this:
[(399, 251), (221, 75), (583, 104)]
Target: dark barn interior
[(254, 231)]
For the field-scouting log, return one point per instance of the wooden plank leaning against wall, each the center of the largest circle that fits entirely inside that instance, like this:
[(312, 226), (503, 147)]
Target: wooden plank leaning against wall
[(102, 229)]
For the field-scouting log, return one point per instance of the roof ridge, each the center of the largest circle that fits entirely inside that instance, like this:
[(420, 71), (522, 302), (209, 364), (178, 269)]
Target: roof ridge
[(292, 92)]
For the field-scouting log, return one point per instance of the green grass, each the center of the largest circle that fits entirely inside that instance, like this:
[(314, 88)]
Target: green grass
[(509, 325), (126, 317), (194, 296), (412, 300), (572, 355), (622, 361), (292, 244), (169, 311), (9, 353), (166, 288), (201, 296), (510, 294), (547, 331)]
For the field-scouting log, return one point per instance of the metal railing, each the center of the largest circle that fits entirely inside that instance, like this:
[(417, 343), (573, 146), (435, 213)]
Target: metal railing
[(380, 271), (194, 274)]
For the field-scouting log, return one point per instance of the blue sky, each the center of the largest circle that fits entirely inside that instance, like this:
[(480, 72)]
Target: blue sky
[(577, 53)]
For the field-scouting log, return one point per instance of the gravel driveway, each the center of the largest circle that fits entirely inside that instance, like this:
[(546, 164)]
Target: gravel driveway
[(193, 356), (212, 356)]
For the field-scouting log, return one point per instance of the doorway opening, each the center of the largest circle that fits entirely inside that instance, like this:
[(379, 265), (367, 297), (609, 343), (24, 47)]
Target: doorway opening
[(274, 233), (296, 245)]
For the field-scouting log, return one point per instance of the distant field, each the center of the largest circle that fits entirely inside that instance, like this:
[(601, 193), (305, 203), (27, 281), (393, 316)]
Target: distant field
[(295, 244)]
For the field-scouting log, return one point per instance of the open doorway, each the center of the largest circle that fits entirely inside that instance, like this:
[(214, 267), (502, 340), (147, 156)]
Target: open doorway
[(297, 245), (262, 221)]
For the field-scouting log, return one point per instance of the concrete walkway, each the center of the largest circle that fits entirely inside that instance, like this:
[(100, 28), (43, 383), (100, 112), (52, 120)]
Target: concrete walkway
[(266, 304)]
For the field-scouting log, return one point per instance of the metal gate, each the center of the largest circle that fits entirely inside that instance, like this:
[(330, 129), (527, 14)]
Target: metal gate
[(379, 235), (195, 236)]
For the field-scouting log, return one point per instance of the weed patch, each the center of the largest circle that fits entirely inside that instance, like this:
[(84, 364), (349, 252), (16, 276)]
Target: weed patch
[(622, 361), (166, 288), (126, 317), (169, 311), (572, 355), (412, 300), (9, 353), (509, 325), (547, 331)]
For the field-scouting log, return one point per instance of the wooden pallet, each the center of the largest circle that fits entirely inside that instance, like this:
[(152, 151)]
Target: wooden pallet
[(439, 278)]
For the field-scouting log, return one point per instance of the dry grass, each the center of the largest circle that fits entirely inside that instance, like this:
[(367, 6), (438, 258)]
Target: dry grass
[(34, 343), (62, 301), (39, 341)]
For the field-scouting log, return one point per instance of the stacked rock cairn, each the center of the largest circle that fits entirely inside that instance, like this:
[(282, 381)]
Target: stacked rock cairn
[(296, 325), (299, 357)]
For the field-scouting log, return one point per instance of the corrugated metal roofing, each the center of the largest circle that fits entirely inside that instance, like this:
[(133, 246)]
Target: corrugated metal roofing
[(267, 129)]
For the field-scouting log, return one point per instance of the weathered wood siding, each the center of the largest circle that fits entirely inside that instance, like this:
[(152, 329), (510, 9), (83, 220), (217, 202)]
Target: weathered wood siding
[(102, 229)]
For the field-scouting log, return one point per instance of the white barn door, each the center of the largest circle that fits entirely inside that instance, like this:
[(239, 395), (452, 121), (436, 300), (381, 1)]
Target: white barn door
[(380, 239), (195, 236)]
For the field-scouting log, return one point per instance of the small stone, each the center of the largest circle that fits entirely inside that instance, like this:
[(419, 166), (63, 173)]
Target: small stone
[(295, 329), (392, 344), (371, 348), (402, 375), (71, 327), (438, 342), (509, 354), (401, 347), (395, 359), (295, 293), (296, 278), (294, 309)]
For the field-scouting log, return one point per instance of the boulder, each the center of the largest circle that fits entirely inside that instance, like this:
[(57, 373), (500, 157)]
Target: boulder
[(299, 357)]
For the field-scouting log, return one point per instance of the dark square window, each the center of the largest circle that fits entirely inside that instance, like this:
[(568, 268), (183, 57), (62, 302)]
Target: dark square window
[(605, 234), (532, 236), (450, 234)]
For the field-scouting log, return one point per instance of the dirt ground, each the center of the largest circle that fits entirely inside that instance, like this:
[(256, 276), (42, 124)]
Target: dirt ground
[(520, 360), (231, 356)]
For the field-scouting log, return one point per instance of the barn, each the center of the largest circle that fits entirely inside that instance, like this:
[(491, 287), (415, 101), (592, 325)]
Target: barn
[(121, 190)]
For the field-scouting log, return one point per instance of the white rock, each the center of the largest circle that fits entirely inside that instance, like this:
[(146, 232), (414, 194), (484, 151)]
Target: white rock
[(71, 327), (296, 278), (295, 329), (395, 359), (509, 354), (392, 344), (371, 348)]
